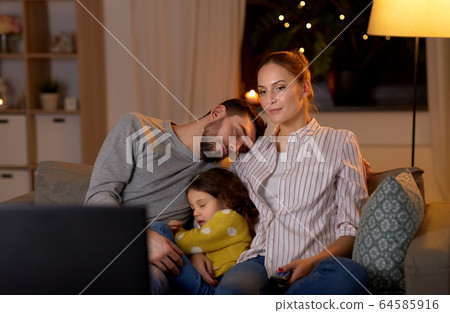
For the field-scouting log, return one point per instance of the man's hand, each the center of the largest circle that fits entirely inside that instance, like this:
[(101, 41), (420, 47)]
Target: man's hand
[(174, 226), (204, 267), (163, 253)]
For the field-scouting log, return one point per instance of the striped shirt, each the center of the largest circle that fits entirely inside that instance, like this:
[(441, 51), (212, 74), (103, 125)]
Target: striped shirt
[(320, 193)]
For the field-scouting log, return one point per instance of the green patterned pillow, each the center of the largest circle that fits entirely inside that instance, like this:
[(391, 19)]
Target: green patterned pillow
[(389, 221)]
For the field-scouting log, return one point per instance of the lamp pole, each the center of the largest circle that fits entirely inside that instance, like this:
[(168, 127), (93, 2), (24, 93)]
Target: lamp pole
[(416, 57)]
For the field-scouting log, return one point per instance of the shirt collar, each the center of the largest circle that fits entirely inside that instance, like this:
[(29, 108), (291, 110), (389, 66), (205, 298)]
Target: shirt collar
[(308, 129)]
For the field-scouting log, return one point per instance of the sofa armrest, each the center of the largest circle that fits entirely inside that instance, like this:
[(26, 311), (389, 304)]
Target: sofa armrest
[(427, 268), (25, 198), (61, 183)]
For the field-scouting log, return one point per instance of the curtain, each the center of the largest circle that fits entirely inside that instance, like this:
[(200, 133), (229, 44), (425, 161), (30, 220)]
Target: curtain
[(193, 48), (438, 76)]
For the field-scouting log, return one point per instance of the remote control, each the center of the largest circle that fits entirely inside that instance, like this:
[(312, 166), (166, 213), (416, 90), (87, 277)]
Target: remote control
[(281, 277)]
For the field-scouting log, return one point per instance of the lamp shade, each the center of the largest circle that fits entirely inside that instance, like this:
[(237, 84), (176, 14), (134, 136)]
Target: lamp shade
[(410, 18)]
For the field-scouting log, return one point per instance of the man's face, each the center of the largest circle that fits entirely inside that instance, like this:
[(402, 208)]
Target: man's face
[(227, 135)]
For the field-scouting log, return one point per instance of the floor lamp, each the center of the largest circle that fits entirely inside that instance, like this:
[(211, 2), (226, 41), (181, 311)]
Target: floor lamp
[(410, 18)]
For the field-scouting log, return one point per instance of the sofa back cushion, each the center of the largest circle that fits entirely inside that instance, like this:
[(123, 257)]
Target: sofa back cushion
[(61, 182), (67, 183), (375, 178)]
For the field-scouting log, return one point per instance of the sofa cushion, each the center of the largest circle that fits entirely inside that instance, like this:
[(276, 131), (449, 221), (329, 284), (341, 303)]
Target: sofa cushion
[(61, 183), (375, 178), (389, 220)]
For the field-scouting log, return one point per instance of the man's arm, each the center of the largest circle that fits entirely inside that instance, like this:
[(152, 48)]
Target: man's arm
[(111, 170), (163, 253)]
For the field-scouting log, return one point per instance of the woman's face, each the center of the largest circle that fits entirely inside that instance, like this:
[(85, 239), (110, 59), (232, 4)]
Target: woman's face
[(284, 105)]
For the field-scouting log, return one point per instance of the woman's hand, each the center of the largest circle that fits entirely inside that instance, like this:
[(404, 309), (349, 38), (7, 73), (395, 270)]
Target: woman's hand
[(204, 267), (174, 226), (300, 268)]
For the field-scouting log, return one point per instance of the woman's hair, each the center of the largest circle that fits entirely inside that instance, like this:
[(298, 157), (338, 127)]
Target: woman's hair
[(229, 190), (296, 63)]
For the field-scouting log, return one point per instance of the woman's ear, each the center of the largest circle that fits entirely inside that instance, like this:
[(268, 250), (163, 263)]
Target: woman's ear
[(218, 112), (306, 88)]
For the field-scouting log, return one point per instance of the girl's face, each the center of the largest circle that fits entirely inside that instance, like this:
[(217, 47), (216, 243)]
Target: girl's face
[(204, 205), (289, 104)]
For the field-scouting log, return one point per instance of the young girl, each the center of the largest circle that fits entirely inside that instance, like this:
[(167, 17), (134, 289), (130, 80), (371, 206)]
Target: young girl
[(226, 218), (308, 184)]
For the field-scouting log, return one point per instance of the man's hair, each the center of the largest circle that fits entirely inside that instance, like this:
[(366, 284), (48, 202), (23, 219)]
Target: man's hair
[(242, 107)]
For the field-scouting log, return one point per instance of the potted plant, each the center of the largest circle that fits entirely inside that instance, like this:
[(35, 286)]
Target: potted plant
[(49, 94)]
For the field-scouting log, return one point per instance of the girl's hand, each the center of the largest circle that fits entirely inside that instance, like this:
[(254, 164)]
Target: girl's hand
[(174, 226), (300, 268)]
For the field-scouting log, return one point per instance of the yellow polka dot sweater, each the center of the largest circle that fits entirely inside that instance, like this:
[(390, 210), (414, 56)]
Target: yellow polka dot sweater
[(223, 238)]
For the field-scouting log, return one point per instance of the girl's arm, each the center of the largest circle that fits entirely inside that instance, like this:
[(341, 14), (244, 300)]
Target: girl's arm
[(220, 231)]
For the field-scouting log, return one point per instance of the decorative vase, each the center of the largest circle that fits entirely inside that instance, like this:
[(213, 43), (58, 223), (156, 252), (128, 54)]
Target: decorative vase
[(4, 43), (49, 101)]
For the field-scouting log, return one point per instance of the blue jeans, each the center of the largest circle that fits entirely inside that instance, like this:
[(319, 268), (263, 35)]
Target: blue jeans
[(188, 282), (329, 277)]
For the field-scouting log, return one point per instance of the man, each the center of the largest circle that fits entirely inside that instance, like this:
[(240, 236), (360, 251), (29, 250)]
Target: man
[(146, 161)]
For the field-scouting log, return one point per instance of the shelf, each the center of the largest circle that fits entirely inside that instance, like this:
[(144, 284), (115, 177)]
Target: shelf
[(53, 112), (12, 55), (28, 132), (38, 112), (49, 55), (12, 111), (15, 167)]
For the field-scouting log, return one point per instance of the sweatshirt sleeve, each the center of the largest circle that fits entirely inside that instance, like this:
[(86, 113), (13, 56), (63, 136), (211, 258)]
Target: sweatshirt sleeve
[(225, 228), (114, 165)]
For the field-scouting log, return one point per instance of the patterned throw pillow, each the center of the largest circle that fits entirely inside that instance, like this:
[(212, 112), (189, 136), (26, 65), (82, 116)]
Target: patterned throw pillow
[(389, 221)]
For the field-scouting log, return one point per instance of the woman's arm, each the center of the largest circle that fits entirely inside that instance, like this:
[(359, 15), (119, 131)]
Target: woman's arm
[(342, 247)]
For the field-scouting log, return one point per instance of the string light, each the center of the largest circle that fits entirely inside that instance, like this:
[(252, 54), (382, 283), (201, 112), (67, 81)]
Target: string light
[(365, 37), (301, 50), (342, 17), (388, 37), (286, 25), (281, 17), (302, 3), (308, 25)]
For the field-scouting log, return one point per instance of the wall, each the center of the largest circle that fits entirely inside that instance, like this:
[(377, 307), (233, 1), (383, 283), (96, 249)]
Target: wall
[(385, 140), (384, 137), (119, 64)]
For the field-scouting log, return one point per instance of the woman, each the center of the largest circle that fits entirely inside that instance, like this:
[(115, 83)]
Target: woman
[(308, 183)]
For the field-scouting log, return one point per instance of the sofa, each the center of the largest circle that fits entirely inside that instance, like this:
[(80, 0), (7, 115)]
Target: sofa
[(426, 264)]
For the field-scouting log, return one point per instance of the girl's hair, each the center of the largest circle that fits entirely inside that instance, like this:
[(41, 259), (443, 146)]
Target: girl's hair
[(296, 63), (228, 189)]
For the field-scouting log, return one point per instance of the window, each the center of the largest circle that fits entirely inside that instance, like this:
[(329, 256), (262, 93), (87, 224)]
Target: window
[(354, 72)]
